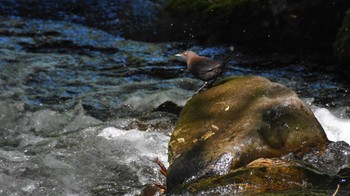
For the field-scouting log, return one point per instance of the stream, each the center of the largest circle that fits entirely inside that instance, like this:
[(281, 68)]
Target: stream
[(83, 112)]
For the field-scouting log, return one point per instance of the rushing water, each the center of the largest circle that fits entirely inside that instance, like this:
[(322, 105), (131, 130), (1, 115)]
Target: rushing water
[(85, 113)]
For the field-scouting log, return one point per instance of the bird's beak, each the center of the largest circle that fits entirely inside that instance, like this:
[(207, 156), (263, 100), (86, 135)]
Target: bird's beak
[(178, 55)]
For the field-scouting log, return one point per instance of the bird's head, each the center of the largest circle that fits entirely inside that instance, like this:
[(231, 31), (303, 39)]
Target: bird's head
[(187, 55)]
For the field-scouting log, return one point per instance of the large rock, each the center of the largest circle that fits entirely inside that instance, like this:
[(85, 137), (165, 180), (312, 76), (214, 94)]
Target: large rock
[(239, 120)]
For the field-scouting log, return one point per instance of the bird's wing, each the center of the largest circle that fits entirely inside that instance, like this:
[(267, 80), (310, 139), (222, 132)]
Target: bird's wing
[(204, 65)]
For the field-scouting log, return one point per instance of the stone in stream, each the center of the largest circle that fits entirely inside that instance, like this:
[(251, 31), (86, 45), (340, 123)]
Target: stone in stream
[(237, 121)]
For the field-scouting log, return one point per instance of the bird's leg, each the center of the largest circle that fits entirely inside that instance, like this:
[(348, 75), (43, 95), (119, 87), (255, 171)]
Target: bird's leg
[(160, 188), (163, 170), (212, 82), (202, 87)]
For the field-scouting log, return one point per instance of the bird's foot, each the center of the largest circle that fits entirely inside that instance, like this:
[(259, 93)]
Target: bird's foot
[(201, 88), (211, 83), (157, 188), (163, 170)]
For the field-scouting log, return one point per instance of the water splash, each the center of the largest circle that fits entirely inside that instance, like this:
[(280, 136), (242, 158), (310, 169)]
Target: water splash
[(337, 129)]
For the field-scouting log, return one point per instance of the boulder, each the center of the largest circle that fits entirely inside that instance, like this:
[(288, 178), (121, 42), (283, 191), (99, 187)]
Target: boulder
[(237, 121)]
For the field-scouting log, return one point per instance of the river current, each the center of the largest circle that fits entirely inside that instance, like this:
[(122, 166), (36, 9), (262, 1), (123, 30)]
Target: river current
[(83, 112)]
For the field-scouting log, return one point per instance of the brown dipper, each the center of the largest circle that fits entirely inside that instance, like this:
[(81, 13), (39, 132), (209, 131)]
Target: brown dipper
[(203, 68)]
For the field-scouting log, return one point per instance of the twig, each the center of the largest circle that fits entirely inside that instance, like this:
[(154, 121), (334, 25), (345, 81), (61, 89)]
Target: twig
[(336, 191)]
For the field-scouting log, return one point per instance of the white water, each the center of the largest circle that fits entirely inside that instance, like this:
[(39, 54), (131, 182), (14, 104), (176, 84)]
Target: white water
[(149, 145), (337, 129), (71, 153)]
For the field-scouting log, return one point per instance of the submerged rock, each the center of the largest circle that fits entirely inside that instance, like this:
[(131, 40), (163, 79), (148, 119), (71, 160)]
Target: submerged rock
[(169, 107), (239, 120)]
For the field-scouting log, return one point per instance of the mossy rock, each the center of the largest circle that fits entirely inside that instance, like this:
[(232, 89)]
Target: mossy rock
[(239, 120)]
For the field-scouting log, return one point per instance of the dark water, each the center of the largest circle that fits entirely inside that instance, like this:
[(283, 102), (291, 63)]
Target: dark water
[(80, 108)]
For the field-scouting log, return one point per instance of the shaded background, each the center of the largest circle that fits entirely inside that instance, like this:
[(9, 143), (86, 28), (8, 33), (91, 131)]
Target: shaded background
[(292, 26)]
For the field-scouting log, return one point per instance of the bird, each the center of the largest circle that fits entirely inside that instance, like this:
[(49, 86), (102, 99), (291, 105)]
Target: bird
[(203, 68)]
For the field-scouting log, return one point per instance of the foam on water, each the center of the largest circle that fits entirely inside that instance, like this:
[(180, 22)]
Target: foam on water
[(74, 153), (150, 144), (337, 129)]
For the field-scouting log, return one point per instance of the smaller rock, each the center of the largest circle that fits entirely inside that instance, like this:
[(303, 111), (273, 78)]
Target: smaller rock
[(152, 190), (261, 175), (169, 107)]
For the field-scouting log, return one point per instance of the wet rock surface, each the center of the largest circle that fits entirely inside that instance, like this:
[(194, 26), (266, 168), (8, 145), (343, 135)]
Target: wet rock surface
[(262, 176), (237, 121)]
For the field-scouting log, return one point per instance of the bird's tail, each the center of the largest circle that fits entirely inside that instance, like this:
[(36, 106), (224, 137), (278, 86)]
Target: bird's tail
[(226, 60)]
